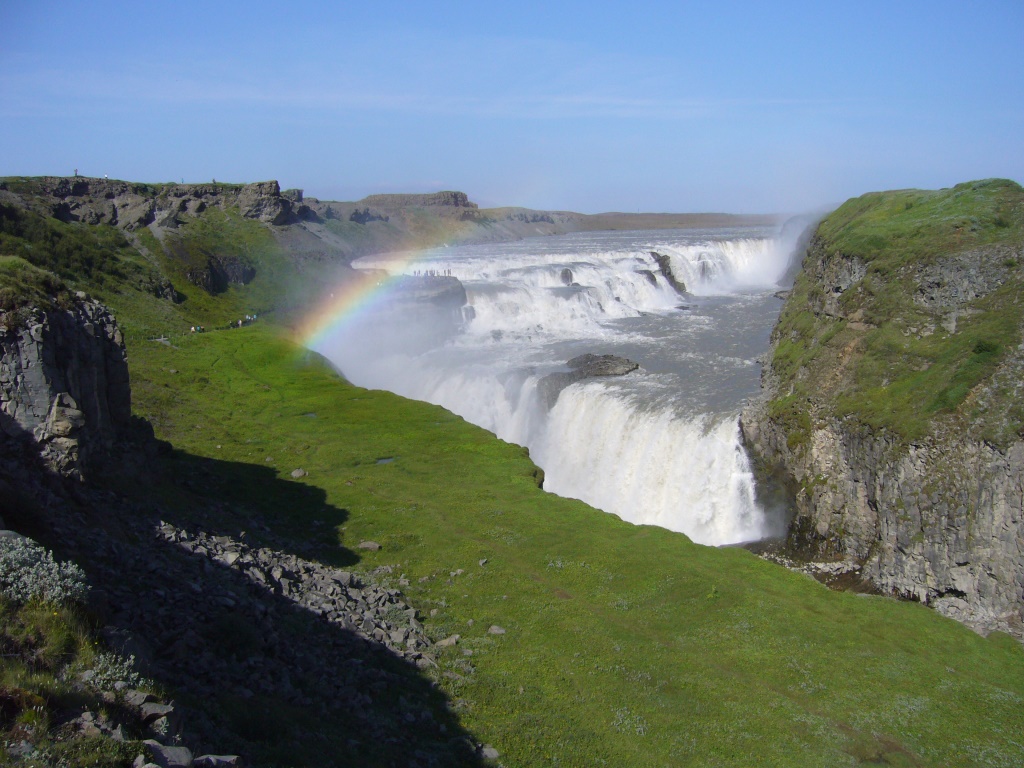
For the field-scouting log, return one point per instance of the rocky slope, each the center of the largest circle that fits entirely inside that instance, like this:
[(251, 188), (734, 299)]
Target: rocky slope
[(892, 398), (206, 610)]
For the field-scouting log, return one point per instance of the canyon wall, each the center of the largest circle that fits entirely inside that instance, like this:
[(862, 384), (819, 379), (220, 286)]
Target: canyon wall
[(64, 384), (892, 406)]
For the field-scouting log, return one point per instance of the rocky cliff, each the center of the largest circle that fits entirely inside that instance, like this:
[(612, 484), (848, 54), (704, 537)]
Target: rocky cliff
[(893, 403), (64, 383), (130, 206)]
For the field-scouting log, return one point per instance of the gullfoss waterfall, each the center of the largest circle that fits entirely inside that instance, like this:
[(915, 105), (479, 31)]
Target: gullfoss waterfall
[(659, 445)]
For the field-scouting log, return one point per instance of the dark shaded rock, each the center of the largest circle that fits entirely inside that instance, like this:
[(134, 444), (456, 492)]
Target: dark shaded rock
[(169, 757), (362, 215), (160, 287), (651, 278), (665, 267), (566, 276), (582, 367), (64, 384), (602, 365), (216, 275), (304, 213)]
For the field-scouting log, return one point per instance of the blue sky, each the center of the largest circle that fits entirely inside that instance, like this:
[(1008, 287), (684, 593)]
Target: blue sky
[(674, 106)]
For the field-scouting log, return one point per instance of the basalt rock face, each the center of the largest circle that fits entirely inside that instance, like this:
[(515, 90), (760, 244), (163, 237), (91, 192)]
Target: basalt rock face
[(935, 517), (939, 521), (218, 273), (130, 206), (64, 385)]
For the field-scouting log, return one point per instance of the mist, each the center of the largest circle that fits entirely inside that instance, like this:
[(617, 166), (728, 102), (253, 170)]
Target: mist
[(658, 446)]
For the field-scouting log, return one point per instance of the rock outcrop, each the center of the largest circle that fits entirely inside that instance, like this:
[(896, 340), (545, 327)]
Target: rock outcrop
[(939, 521), (131, 206), (446, 199), (937, 514), (582, 367), (64, 384), (665, 267)]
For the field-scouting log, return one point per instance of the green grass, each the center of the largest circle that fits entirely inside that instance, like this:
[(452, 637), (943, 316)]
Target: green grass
[(625, 645), (892, 229), (23, 285), (75, 252), (42, 648), (898, 368)]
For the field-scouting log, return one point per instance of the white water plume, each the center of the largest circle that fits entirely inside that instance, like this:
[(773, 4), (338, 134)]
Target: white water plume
[(651, 466), (659, 446)]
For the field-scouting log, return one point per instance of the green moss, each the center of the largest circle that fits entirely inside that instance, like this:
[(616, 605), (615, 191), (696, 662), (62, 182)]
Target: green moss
[(23, 285), (898, 369)]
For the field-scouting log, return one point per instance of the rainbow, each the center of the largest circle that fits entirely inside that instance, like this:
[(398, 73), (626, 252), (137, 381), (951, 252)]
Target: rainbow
[(351, 300)]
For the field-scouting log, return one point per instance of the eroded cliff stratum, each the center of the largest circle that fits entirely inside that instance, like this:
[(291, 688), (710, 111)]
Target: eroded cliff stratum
[(893, 398)]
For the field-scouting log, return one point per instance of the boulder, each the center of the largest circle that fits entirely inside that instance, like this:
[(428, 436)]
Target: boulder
[(218, 761), (582, 367), (169, 757), (263, 201)]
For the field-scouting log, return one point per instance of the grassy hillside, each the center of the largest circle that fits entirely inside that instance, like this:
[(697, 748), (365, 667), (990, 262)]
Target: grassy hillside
[(891, 355), (623, 645)]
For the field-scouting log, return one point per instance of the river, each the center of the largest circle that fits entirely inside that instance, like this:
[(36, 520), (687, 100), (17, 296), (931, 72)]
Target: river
[(660, 445)]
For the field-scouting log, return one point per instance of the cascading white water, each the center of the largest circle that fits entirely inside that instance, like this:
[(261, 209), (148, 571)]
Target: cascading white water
[(658, 446), (664, 470)]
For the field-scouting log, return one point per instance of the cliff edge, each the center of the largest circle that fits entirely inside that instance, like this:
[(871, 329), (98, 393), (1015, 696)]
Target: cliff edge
[(64, 384), (892, 398)]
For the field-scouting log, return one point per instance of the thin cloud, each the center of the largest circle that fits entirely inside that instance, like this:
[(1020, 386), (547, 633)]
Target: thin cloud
[(51, 91)]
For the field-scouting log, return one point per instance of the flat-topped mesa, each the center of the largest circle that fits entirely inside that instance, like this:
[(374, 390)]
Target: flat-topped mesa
[(130, 206), (447, 198)]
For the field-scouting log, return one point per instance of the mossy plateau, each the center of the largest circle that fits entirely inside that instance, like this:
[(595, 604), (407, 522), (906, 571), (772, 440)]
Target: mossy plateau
[(23, 286), (931, 317)]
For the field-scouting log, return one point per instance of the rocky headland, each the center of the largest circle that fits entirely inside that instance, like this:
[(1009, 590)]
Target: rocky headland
[(892, 399)]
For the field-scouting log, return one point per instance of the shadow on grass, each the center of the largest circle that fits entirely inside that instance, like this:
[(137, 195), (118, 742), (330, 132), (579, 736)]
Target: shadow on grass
[(257, 673)]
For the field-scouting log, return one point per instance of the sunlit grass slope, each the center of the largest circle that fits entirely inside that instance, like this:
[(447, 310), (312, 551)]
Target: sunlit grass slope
[(623, 645)]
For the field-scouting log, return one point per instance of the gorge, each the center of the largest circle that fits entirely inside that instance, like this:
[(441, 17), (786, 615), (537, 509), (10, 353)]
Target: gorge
[(327, 574)]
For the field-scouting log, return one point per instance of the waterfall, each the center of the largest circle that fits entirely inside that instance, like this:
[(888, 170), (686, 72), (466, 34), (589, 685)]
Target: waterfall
[(659, 446)]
